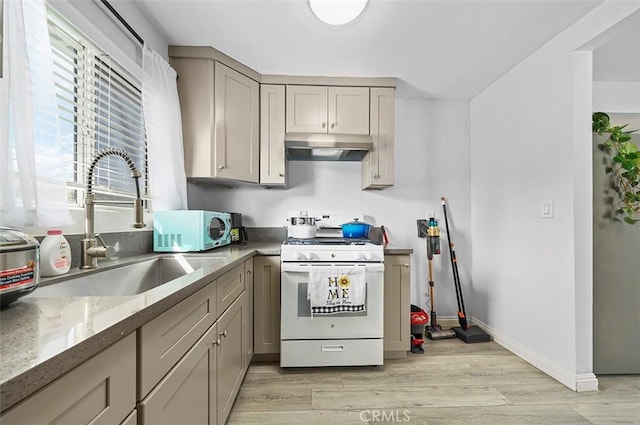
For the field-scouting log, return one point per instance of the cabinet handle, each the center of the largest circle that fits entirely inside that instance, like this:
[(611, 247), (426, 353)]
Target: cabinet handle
[(324, 124), (216, 342), (281, 174), (224, 334), (376, 176), (333, 124), (221, 167), (406, 266), (249, 271)]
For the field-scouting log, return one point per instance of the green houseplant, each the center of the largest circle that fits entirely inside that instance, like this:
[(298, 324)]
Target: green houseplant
[(622, 164)]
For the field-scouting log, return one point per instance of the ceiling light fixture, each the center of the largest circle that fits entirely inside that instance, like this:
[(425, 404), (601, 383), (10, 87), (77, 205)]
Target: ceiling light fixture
[(337, 12)]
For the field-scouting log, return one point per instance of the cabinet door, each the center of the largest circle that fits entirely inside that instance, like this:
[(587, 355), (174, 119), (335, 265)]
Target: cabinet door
[(230, 357), (236, 125), (266, 311), (272, 153), (247, 319), (99, 391), (397, 303), (165, 339), (306, 109), (377, 165), (348, 110), (195, 89), (182, 396)]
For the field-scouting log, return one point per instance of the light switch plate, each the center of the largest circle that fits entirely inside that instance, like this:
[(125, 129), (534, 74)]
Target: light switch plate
[(546, 209)]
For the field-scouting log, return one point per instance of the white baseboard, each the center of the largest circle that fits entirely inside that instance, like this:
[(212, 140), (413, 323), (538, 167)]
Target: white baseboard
[(578, 382)]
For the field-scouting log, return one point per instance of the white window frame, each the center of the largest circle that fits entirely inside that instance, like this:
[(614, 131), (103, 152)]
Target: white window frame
[(85, 131)]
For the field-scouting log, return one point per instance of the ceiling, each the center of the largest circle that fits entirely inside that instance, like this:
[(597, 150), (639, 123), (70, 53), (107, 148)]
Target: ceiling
[(437, 49)]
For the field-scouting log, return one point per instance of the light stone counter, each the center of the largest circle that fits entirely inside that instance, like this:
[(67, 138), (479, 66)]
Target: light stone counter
[(42, 338)]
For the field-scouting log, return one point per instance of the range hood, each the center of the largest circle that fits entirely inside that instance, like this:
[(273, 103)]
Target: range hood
[(327, 147)]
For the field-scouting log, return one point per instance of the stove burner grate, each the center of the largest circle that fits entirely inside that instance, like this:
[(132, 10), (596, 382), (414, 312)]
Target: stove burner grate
[(328, 241)]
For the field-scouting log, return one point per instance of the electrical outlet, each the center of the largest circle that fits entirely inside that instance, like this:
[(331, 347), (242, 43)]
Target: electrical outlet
[(423, 225)]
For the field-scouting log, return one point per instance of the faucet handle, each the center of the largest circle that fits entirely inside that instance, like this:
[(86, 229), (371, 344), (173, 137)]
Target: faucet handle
[(99, 238), (105, 251)]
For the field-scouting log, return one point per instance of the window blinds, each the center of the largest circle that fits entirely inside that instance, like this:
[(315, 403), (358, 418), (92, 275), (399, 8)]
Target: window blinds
[(100, 105)]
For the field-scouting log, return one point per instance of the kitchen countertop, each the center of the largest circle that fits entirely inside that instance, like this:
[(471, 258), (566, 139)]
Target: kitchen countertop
[(392, 249), (43, 338)]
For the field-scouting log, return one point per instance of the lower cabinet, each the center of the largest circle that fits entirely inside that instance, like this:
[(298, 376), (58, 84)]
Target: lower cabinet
[(188, 393), (199, 381), (266, 309), (230, 360), (101, 390), (397, 305), (202, 386), (247, 320)]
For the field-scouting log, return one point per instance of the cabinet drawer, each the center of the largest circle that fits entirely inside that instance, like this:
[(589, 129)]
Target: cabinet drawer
[(165, 339), (230, 285), (99, 391)]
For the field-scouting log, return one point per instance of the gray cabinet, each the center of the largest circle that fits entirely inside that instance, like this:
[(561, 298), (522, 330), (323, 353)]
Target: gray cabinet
[(185, 394), (99, 391), (397, 305), (318, 109), (272, 127), (194, 356), (266, 309), (230, 359), (237, 122), (378, 164), (165, 339), (247, 319), (220, 120)]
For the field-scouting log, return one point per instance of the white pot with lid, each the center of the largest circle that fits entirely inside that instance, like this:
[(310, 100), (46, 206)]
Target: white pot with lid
[(302, 226)]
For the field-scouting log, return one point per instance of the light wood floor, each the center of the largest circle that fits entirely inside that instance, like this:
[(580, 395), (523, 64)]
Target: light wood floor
[(452, 383)]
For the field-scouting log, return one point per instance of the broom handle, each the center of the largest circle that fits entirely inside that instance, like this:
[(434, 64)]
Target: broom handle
[(462, 317), (432, 296)]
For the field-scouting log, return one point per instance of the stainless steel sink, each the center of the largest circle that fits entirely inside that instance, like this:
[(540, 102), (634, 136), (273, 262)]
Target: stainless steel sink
[(128, 279)]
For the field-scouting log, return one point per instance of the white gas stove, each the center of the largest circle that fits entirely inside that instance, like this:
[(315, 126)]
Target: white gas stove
[(337, 321)]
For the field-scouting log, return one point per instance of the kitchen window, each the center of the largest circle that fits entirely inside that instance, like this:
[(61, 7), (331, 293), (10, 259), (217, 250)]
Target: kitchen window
[(99, 106)]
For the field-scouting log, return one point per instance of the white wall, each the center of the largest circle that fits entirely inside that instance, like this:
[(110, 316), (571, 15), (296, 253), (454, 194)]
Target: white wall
[(431, 160), (611, 96), (530, 142)]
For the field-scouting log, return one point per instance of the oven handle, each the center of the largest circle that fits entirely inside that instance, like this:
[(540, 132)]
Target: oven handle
[(305, 267)]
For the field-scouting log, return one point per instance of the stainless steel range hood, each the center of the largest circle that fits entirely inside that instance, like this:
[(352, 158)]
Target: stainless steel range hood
[(327, 147)]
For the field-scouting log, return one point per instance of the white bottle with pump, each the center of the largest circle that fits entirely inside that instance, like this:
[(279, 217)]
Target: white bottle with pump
[(55, 254)]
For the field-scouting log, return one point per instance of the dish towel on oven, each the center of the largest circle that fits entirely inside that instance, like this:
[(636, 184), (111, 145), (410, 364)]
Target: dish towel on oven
[(336, 289)]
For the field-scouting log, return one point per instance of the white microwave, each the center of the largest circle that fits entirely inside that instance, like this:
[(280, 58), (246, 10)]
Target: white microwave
[(190, 230)]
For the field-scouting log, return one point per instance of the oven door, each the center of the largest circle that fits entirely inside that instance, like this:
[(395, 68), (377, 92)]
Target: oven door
[(296, 319)]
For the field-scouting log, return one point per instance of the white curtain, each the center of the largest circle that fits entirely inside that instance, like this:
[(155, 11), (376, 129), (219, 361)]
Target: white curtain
[(164, 133), (29, 116)]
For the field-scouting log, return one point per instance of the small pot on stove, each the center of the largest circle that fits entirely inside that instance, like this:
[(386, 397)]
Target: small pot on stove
[(302, 226)]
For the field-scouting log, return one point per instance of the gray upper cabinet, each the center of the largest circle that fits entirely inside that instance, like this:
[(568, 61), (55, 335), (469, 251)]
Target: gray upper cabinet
[(378, 164), (318, 109), (272, 127), (236, 125), (220, 118)]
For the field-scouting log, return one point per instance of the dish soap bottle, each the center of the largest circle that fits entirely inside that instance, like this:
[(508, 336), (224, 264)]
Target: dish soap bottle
[(55, 254)]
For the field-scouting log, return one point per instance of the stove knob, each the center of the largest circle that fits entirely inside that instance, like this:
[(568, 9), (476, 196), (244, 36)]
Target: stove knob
[(366, 256), (308, 256), (299, 255)]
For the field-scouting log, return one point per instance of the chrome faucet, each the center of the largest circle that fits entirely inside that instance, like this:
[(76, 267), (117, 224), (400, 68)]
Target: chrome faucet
[(89, 249)]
